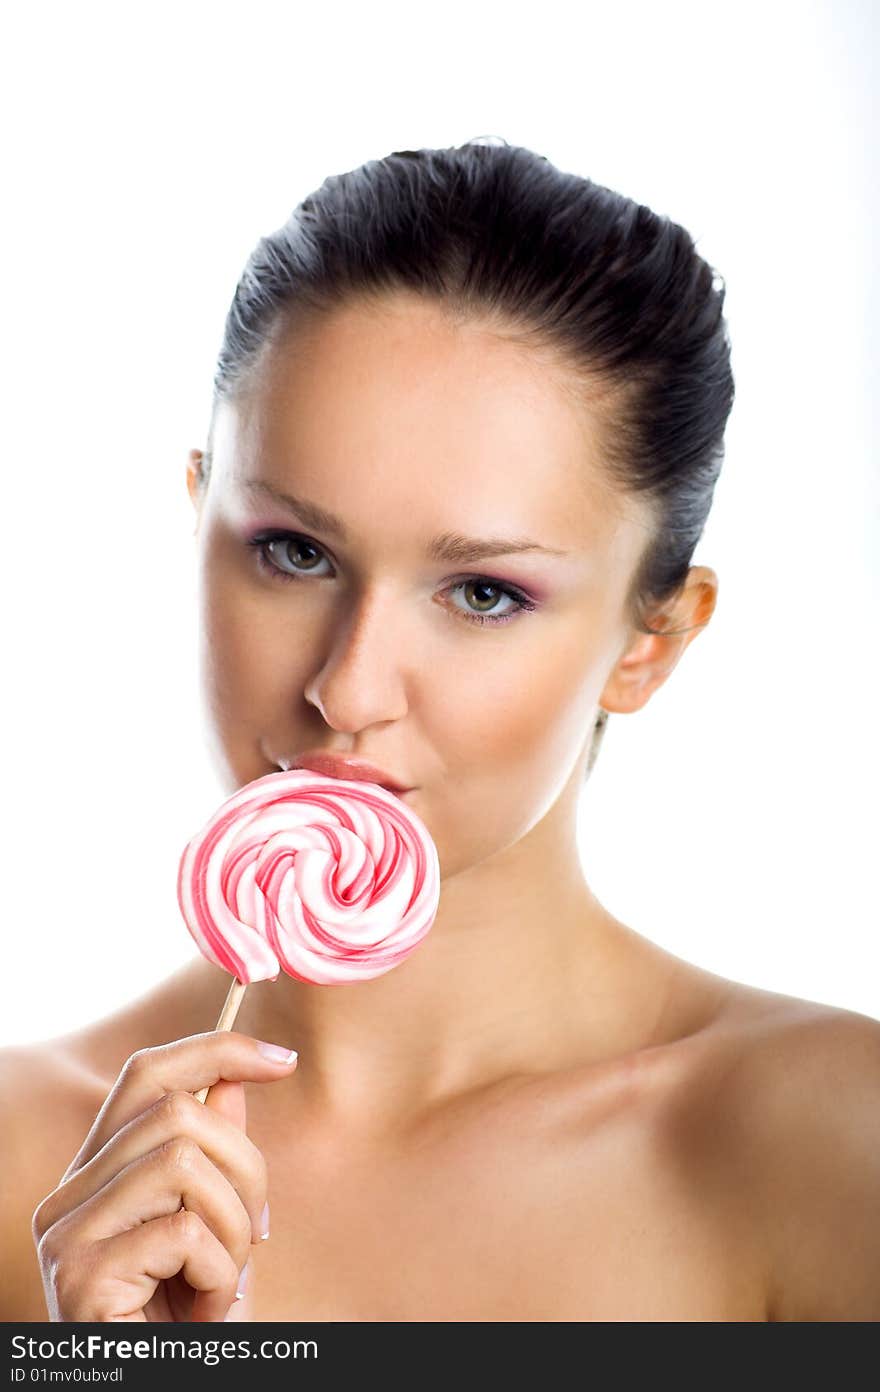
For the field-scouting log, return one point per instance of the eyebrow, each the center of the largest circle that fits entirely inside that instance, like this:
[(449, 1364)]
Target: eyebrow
[(448, 546)]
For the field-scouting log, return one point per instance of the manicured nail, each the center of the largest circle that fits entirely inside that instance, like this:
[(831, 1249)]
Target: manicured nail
[(264, 1222), (276, 1053), (242, 1282)]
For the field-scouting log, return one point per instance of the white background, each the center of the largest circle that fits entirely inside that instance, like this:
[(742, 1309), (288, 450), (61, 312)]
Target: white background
[(146, 149)]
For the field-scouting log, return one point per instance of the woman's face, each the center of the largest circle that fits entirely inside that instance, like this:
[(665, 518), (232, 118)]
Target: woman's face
[(469, 670)]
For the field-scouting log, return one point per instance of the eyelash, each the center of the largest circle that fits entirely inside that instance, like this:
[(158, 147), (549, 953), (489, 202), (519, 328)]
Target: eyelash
[(260, 544)]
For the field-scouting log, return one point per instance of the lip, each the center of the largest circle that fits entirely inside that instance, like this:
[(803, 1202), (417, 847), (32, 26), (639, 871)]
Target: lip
[(339, 766)]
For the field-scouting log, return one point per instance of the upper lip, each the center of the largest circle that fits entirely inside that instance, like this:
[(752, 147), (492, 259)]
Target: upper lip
[(345, 766)]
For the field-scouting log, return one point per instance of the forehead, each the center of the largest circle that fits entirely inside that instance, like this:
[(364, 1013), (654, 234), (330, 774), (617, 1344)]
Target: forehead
[(400, 399)]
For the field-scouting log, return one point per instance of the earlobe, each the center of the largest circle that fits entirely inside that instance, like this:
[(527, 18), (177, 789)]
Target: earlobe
[(637, 674), (651, 657)]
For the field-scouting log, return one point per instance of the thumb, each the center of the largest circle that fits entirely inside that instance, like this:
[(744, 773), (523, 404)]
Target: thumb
[(228, 1099)]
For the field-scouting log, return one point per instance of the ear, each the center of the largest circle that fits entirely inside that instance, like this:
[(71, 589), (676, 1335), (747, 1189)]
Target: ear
[(650, 657), (195, 483)]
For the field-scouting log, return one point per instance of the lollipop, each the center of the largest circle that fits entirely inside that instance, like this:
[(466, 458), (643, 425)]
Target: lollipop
[(329, 880)]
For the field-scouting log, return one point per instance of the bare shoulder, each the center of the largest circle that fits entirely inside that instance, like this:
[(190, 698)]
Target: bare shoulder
[(815, 1110), (788, 1092), (48, 1102)]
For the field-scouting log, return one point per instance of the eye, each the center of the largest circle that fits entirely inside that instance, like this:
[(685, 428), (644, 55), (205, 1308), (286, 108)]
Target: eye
[(474, 586), (287, 542)]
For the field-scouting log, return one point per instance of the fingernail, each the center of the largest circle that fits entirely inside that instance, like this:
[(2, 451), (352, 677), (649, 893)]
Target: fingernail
[(242, 1282), (276, 1053), (264, 1222)]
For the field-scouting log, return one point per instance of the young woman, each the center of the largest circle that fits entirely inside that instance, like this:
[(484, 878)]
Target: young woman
[(468, 419)]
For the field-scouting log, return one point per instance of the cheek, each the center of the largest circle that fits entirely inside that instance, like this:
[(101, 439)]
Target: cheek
[(507, 734), (241, 665), (519, 709)]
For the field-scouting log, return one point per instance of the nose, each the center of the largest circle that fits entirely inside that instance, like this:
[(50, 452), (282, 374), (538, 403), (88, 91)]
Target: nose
[(360, 682)]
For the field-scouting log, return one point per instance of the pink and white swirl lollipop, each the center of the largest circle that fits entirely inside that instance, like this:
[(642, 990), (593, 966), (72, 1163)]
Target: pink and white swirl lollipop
[(329, 880)]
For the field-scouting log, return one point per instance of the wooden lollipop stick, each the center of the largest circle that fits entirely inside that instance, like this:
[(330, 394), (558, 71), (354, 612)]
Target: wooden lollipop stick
[(227, 1018)]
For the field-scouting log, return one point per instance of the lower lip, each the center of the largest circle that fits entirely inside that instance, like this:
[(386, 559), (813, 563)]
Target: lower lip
[(397, 792)]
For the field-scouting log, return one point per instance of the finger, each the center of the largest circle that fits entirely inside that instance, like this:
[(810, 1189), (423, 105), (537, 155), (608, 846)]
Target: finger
[(174, 1115), (126, 1269), (185, 1065), (229, 1101), (154, 1186)]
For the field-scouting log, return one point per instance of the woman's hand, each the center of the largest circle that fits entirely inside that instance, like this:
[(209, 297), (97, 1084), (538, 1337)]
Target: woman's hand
[(112, 1239)]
